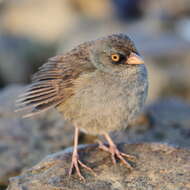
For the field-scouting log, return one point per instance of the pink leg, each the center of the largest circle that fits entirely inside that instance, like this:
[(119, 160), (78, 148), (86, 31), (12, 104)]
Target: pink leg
[(75, 158), (115, 152)]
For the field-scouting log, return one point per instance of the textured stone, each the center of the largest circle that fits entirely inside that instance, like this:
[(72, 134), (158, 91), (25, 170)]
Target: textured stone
[(157, 167)]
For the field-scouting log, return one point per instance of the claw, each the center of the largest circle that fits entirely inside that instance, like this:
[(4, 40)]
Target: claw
[(75, 164), (129, 157), (115, 153)]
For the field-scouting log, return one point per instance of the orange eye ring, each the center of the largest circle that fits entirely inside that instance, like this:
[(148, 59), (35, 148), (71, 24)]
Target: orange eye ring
[(115, 57)]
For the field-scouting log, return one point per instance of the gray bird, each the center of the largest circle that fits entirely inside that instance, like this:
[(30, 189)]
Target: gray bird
[(99, 86)]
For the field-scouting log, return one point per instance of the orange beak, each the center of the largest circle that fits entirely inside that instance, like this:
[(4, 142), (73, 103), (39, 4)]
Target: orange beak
[(134, 59)]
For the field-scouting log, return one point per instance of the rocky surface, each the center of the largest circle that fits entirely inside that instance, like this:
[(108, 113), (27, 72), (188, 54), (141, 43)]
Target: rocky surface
[(157, 167)]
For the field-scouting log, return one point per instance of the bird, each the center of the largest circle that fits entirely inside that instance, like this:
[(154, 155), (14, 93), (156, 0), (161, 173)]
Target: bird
[(99, 86)]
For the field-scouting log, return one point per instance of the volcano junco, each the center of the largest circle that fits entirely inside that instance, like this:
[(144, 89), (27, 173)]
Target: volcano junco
[(99, 87)]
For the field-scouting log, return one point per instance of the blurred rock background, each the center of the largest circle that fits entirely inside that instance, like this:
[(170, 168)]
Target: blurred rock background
[(31, 31)]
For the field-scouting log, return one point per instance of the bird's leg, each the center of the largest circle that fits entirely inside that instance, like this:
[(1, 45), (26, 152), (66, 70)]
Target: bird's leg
[(75, 158), (115, 152)]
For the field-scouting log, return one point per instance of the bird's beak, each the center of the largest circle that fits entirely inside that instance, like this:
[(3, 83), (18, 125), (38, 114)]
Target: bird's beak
[(134, 59)]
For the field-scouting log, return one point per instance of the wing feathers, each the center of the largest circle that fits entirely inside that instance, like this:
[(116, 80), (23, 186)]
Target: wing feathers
[(40, 109), (38, 91), (47, 90), (53, 83), (36, 97)]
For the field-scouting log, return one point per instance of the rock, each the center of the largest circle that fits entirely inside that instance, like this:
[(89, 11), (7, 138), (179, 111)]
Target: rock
[(24, 142), (157, 167)]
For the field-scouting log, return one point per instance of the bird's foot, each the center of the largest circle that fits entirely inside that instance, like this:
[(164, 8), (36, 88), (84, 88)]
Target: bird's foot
[(75, 164), (115, 153)]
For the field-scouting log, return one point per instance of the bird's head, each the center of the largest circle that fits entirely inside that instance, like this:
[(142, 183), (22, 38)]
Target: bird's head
[(115, 53)]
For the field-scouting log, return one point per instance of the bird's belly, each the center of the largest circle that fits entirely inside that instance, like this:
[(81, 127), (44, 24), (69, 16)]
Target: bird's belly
[(102, 114), (104, 107)]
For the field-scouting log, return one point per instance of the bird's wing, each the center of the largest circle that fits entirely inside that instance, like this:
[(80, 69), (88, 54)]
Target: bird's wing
[(51, 85)]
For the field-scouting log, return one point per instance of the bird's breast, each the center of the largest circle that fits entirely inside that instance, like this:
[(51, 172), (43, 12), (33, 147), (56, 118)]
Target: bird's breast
[(103, 102)]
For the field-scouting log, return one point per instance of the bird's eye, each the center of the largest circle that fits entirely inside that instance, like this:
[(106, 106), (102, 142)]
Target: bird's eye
[(115, 57)]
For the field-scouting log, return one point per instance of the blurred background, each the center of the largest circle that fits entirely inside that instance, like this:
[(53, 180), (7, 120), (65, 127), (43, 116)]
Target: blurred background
[(31, 31)]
